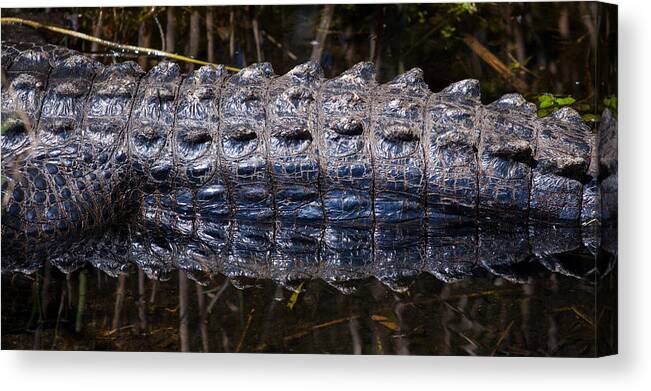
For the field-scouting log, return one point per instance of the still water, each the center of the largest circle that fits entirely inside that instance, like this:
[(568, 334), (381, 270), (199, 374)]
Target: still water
[(564, 306)]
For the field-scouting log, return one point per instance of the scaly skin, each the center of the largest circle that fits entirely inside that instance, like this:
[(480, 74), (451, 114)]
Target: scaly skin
[(289, 253), (94, 151)]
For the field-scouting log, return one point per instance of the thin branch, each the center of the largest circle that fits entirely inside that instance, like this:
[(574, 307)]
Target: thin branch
[(210, 34), (322, 32), (103, 42), (98, 30), (231, 36), (279, 45), (144, 17), (170, 30), (144, 39), (161, 33), (194, 36), (258, 41), (495, 63)]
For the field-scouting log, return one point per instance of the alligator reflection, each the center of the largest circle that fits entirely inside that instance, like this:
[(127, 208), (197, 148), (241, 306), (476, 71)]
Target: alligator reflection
[(396, 290)]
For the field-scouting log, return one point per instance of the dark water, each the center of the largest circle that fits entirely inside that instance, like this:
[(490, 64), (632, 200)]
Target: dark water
[(550, 315), (565, 49)]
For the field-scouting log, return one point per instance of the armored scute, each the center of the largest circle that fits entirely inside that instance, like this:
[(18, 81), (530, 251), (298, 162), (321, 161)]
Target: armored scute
[(288, 177)]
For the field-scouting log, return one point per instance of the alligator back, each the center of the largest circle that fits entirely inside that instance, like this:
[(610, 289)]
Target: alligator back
[(149, 163)]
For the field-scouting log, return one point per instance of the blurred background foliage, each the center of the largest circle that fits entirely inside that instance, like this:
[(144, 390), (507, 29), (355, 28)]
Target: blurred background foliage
[(555, 53)]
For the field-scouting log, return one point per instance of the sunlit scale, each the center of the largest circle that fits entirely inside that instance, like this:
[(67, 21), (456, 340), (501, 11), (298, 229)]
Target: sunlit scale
[(451, 152), (293, 154), (153, 116), (64, 106), (21, 103), (200, 203), (347, 171), (399, 162), (151, 161), (243, 146), (505, 154), (105, 126)]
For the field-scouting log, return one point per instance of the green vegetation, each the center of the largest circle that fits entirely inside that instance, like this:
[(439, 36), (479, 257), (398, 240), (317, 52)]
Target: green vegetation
[(548, 103), (610, 102)]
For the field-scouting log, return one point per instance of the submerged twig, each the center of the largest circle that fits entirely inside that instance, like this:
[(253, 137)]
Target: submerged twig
[(81, 303), (578, 313), (69, 291), (183, 312), (119, 300), (215, 297), (154, 289), (203, 317), (504, 334), (59, 312), (103, 42), (353, 325), (320, 326), (111, 332), (142, 303), (244, 332)]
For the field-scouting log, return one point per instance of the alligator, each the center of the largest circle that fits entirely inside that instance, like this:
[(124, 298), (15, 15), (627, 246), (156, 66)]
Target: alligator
[(287, 177), (290, 253)]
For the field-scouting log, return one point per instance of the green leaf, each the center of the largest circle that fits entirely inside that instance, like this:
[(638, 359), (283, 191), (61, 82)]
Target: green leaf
[(448, 31), (545, 101), (463, 8), (568, 100), (610, 102), (590, 117)]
